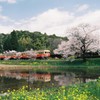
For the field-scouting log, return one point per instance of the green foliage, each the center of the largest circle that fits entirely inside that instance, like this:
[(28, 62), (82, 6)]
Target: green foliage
[(25, 40), (7, 44), (11, 41), (2, 36), (14, 41), (25, 43)]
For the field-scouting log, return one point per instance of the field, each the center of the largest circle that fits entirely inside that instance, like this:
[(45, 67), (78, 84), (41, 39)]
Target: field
[(87, 91)]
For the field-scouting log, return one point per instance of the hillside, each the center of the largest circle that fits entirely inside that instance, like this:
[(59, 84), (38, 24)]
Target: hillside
[(25, 40)]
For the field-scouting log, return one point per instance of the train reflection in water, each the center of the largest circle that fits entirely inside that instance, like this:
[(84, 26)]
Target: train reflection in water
[(15, 80), (31, 77)]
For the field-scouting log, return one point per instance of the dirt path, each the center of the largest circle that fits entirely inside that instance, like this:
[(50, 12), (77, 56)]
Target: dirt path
[(15, 67)]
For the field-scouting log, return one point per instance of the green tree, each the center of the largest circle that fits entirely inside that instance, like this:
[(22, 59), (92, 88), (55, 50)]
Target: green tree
[(1, 42), (7, 43), (25, 43), (14, 41)]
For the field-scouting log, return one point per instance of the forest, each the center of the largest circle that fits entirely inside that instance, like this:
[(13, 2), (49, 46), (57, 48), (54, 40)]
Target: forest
[(25, 40)]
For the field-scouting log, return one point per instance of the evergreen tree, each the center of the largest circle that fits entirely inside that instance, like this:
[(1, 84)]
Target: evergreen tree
[(7, 43), (14, 41)]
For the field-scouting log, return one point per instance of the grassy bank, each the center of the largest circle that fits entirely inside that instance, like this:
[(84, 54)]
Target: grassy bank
[(88, 68), (87, 91), (62, 62)]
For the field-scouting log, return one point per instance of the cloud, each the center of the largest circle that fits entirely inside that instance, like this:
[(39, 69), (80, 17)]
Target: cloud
[(9, 1), (52, 21), (92, 17), (2, 18), (5, 29), (2, 0), (81, 8), (6, 24)]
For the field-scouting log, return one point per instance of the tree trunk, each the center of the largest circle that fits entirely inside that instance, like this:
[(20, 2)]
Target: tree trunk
[(84, 76), (84, 57), (84, 80)]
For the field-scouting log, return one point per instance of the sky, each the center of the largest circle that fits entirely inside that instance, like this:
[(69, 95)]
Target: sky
[(47, 16)]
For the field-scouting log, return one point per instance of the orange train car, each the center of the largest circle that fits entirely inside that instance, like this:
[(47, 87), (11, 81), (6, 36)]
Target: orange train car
[(2, 56), (43, 53)]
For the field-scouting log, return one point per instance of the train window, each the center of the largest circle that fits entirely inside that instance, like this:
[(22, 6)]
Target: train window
[(40, 52), (47, 52)]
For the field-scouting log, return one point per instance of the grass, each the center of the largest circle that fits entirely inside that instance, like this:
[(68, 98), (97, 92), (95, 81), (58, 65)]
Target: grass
[(63, 62), (87, 91)]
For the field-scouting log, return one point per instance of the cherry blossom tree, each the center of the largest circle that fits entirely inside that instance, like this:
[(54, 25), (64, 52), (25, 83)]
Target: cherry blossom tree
[(82, 39)]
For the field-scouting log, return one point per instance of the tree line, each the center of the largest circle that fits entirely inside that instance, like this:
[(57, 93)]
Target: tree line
[(25, 40)]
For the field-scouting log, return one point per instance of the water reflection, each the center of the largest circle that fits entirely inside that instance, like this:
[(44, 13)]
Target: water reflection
[(66, 79), (30, 76), (15, 80)]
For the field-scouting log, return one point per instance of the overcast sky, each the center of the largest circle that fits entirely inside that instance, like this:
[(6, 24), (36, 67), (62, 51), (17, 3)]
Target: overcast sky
[(47, 16)]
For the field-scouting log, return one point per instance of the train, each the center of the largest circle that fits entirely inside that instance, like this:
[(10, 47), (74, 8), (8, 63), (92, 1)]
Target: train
[(37, 54)]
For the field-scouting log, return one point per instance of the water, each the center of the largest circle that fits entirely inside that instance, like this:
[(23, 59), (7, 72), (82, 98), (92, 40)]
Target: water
[(15, 80)]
